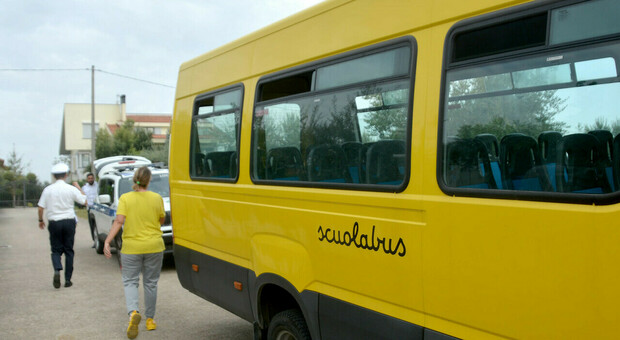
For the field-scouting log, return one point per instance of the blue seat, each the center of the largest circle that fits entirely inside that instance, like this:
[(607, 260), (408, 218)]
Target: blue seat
[(198, 165), (284, 164), (353, 154), (606, 141), (468, 165), (385, 162), (578, 156), (521, 165), (616, 161), (492, 145), (547, 146), (327, 163), (363, 154), (217, 164), (234, 164)]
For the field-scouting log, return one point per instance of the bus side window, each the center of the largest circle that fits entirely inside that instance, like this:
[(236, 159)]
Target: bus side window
[(316, 125), (215, 135)]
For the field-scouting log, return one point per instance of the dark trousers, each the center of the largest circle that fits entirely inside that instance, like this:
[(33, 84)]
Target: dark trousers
[(62, 236)]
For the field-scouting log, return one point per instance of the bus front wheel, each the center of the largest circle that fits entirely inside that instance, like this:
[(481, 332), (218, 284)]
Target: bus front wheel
[(288, 325)]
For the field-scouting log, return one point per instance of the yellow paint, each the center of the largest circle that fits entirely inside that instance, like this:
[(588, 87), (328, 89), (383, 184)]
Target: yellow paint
[(474, 268)]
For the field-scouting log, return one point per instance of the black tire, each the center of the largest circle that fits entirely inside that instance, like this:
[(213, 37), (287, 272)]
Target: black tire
[(288, 325), (99, 240)]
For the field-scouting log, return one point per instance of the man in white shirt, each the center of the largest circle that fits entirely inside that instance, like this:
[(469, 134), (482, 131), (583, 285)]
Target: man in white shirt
[(57, 201), (90, 189)]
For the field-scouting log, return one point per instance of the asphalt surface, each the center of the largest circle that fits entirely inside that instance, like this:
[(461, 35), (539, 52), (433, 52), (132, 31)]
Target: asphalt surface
[(94, 308)]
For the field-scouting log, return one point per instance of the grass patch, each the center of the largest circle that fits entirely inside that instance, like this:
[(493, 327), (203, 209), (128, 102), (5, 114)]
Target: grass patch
[(81, 213)]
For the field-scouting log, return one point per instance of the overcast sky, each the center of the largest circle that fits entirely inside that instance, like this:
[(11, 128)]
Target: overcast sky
[(140, 39)]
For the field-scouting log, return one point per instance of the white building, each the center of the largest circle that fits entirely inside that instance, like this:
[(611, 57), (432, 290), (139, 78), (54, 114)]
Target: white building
[(75, 137)]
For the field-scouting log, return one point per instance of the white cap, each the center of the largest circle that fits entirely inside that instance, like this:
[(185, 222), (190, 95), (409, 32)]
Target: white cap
[(60, 168)]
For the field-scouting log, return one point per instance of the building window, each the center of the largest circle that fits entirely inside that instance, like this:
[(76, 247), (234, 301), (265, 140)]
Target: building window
[(86, 130), (84, 160)]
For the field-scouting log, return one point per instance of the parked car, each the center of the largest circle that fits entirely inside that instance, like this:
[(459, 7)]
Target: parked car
[(115, 179)]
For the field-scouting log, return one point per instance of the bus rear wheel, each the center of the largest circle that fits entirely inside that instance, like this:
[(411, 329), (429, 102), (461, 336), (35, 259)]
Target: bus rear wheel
[(288, 325)]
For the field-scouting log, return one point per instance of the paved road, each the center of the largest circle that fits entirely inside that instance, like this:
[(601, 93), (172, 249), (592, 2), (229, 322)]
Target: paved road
[(94, 308)]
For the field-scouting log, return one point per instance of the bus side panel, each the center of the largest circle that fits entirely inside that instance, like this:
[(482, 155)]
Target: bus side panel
[(178, 154), (214, 280), (553, 269), (342, 320)]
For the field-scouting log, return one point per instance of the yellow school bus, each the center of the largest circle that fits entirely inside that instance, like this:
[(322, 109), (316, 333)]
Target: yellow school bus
[(406, 170)]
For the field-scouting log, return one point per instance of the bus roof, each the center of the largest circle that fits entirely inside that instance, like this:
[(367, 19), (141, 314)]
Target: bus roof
[(316, 32)]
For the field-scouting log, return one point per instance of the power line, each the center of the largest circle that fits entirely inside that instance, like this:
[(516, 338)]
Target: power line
[(84, 69), (133, 78), (44, 69)]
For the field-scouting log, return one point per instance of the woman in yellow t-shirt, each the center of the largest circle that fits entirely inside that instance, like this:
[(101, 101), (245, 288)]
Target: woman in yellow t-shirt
[(142, 213)]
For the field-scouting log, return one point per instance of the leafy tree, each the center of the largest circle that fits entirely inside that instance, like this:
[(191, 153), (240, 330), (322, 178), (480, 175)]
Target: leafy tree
[(14, 175), (158, 153), (527, 113), (126, 140), (33, 187), (104, 147), (388, 119), (142, 139), (601, 123)]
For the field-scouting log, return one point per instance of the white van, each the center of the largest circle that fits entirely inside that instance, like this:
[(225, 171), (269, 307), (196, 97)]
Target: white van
[(115, 179)]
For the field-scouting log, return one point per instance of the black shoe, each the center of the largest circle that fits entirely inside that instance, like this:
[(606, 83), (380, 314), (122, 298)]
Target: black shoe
[(68, 284), (56, 279)]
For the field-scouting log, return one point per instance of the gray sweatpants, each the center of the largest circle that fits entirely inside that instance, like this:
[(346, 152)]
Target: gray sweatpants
[(150, 266)]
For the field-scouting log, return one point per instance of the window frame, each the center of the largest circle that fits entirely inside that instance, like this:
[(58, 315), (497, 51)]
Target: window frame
[(487, 20), (409, 78), (195, 108), (84, 124), (81, 157)]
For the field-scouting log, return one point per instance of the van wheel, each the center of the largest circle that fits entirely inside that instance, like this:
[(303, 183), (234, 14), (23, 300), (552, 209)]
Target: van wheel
[(288, 325), (99, 240)]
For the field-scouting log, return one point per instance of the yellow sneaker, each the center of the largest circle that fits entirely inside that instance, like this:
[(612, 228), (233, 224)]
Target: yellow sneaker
[(150, 324), (134, 321)]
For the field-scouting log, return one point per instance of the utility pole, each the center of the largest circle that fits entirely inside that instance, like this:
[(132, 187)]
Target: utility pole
[(92, 120)]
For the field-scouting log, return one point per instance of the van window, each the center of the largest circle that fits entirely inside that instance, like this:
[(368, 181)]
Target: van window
[(106, 187)]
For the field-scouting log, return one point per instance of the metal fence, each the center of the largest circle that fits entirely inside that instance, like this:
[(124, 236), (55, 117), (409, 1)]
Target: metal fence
[(26, 196)]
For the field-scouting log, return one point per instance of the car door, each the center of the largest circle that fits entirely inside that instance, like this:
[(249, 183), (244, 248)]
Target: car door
[(104, 212)]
